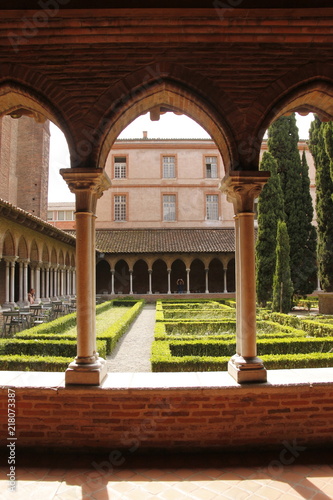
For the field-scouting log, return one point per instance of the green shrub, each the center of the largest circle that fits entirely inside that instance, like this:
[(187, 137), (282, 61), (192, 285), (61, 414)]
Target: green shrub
[(42, 347), (34, 363)]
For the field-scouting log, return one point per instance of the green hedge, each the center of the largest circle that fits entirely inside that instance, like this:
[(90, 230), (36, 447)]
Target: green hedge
[(34, 363), (265, 346), (42, 347), (162, 361), (316, 328)]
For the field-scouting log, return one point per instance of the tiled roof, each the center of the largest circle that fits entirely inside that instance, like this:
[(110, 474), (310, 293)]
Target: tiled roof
[(120, 241)]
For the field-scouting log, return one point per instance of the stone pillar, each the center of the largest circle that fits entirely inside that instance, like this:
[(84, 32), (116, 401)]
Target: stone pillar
[(206, 279), (88, 185), (188, 281), (12, 281), (242, 187), (43, 294), (7, 282), (131, 281), (225, 282), (37, 281), (150, 272), (169, 281), (47, 281), (21, 296), (25, 282), (112, 281)]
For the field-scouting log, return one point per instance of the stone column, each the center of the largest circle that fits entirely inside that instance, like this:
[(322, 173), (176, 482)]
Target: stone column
[(225, 282), (206, 278), (112, 281), (169, 281), (25, 282), (12, 281), (7, 282), (21, 296), (88, 185), (188, 281), (37, 281), (242, 187), (42, 293), (47, 281), (131, 281), (150, 273)]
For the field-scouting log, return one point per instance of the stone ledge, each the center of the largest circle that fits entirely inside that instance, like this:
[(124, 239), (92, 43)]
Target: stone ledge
[(170, 380)]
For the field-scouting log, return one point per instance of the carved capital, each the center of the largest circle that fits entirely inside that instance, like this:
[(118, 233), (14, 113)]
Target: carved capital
[(243, 187), (87, 185)]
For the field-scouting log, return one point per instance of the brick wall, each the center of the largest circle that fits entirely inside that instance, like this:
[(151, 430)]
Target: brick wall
[(175, 418)]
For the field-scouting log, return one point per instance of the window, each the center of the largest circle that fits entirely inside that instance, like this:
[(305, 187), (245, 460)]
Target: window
[(120, 207), (169, 207), (65, 215), (61, 215), (169, 167), (212, 207), (120, 167), (211, 167), (49, 215)]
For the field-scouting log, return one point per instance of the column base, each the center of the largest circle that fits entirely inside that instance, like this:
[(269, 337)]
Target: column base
[(86, 374), (245, 370)]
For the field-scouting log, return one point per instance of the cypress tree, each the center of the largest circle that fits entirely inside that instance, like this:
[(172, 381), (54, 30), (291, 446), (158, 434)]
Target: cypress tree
[(320, 135), (282, 284), (283, 144), (270, 210)]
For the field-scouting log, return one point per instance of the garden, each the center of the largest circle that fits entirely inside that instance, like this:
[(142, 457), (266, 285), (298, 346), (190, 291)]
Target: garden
[(52, 346), (200, 336)]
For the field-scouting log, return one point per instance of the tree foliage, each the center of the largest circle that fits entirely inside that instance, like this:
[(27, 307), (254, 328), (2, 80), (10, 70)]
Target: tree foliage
[(321, 138), (283, 145), (270, 210), (282, 284)]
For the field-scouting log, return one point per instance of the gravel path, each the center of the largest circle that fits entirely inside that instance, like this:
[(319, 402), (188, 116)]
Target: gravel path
[(133, 351)]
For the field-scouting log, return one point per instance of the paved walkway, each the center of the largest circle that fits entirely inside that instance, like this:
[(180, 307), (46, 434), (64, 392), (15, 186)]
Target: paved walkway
[(133, 351)]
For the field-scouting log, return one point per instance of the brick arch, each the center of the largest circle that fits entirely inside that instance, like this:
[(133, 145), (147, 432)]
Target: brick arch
[(34, 252), (16, 94), (22, 248), (121, 109), (307, 89), (8, 246), (45, 254)]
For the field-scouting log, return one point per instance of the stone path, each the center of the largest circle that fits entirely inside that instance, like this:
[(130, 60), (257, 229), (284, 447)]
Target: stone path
[(133, 351)]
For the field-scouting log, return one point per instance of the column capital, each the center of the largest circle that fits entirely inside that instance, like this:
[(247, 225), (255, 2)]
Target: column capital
[(87, 184), (242, 187)]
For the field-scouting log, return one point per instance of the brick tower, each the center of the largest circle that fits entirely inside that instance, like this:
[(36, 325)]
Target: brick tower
[(24, 163)]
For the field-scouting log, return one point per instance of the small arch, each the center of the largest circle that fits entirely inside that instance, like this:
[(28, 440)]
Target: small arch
[(159, 276), (22, 248), (45, 254), (140, 277), (178, 271), (103, 277), (216, 276), (34, 253), (8, 246), (231, 281), (197, 276), (122, 277)]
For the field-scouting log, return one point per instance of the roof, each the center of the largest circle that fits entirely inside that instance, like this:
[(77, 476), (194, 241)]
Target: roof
[(26, 219), (129, 241)]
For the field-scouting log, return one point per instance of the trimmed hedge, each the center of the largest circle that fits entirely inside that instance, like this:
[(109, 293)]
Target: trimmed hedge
[(42, 347), (35, 363), (162, 361), (61, 345)]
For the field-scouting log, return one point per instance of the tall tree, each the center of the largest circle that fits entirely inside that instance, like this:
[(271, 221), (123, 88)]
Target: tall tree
[(282, 284), (283, 144), (320, 137), (270, 210)]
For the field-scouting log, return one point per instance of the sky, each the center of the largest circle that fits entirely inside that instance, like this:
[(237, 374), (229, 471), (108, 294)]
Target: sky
[(169, 126)]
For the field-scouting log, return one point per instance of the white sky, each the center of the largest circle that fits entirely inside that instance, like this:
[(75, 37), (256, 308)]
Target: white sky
[(168, 127)]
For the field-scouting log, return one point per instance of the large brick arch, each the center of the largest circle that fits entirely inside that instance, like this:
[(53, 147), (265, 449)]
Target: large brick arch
[(24, 88), (139, 94), (306, 89)]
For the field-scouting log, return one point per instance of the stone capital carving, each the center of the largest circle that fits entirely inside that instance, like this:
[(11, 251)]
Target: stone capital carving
[(243, 187), (87, 185)]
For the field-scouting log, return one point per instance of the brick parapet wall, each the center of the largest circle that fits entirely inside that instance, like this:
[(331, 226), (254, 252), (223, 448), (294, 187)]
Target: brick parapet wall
[(183, 418)]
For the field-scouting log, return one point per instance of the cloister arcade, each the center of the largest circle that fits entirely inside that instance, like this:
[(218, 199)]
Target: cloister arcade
[(285, 66), (154, 274), (42, 258)]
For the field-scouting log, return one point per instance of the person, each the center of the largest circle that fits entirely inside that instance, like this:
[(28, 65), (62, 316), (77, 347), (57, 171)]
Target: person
[(31, 296), (180, 285)]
